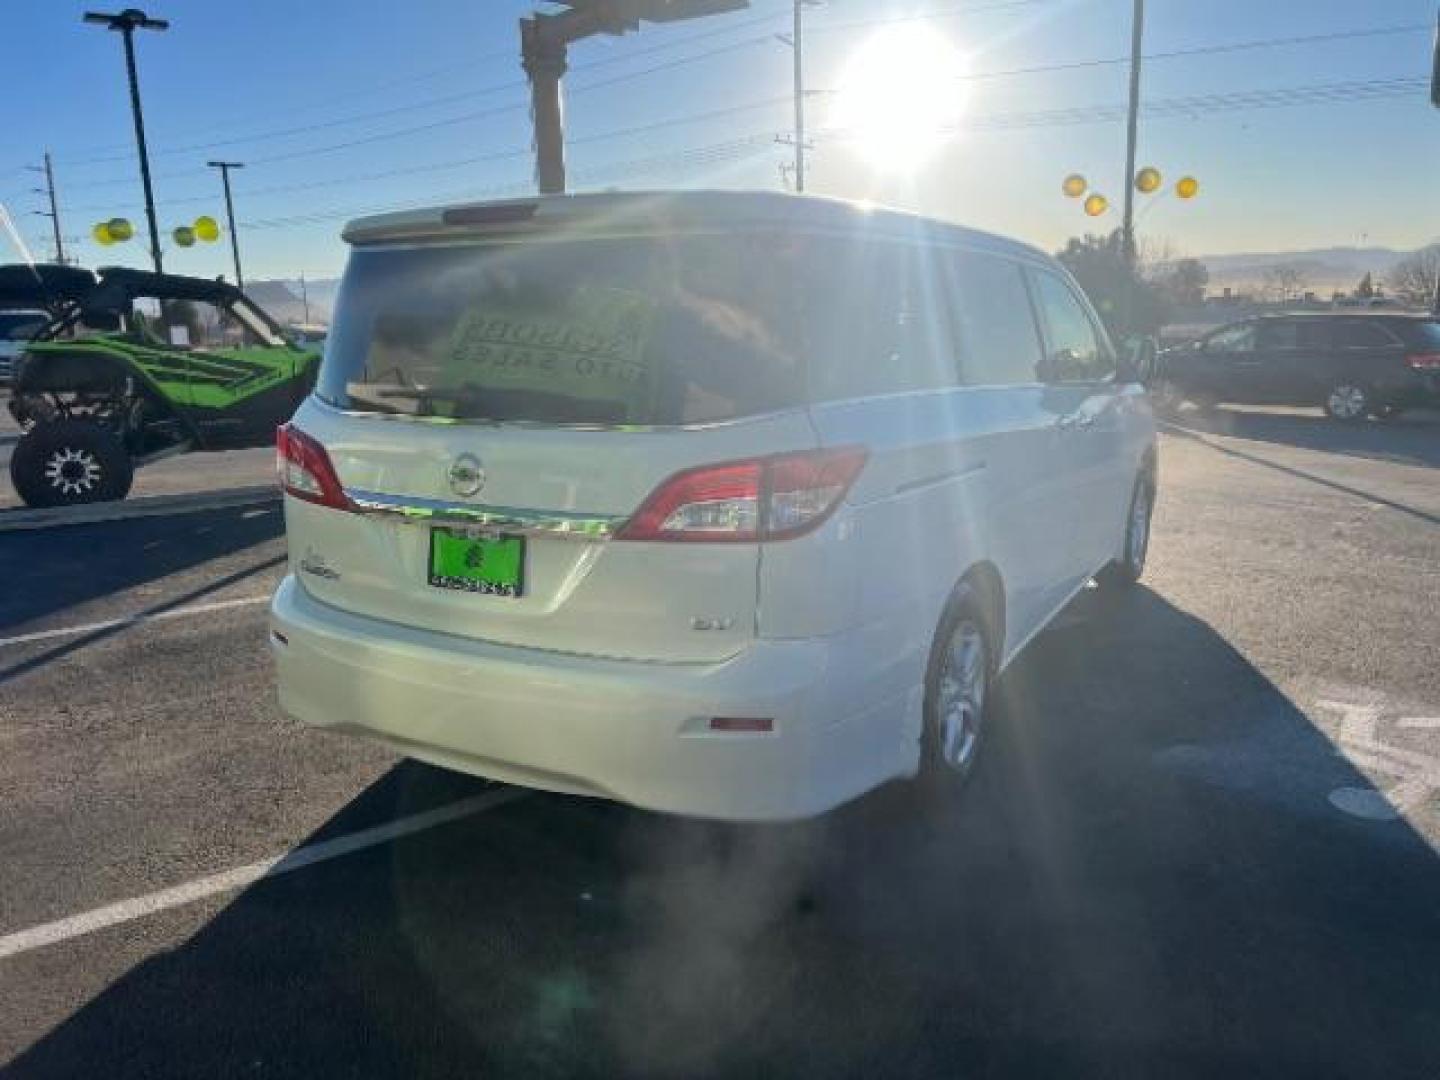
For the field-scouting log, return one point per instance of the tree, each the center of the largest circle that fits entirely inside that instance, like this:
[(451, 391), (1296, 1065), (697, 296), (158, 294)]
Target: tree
[(1113, 286), (184, 313), (1414, 277), (1366, 289), (1184, 282), (1283, 282)]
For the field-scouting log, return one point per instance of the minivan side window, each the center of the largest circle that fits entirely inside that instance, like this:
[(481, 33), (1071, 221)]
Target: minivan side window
[(1232, 339), (1359, 334), (877, 320), (995, 324), (1077, 351), (1293, 334)]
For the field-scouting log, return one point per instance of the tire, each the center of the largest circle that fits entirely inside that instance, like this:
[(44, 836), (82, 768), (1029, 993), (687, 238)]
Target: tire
[(1347, 401), (1125, 571), (961, 670), (1166, 397), (69, 462)]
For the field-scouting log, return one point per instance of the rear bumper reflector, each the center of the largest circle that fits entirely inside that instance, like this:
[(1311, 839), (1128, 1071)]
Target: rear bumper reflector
[(751, 724)]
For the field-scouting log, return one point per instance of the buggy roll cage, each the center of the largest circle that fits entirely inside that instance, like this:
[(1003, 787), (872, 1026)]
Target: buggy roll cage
[(72, 294)]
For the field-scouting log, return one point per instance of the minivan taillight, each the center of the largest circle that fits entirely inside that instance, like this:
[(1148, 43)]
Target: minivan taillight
[(1424, 361), (770, 498), (305, 471)]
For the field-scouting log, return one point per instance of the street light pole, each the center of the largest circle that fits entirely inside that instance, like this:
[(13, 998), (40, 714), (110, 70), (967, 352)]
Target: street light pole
[(225, 167), (127, 22), (1137, 34)]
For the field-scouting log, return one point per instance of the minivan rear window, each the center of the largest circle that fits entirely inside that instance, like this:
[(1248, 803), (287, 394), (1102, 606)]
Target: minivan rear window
[(661, 330), (1421, 333)]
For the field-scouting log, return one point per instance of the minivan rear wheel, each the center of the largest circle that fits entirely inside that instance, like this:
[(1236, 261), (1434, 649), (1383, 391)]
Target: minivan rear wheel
[(957, 692)]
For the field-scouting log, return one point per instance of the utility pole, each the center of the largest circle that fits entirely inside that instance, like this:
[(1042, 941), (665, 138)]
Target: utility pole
[(1137, 34), (543, 57), (544, 42), (225, 167), (126, 23), (798, 48), (54, 212), (305, 297)]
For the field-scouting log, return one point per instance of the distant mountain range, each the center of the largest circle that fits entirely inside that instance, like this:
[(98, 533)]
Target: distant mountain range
[(1323, 270), (286, 302)]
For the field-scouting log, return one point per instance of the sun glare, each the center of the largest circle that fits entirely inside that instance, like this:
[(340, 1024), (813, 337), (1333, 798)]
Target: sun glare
[(899, 96)]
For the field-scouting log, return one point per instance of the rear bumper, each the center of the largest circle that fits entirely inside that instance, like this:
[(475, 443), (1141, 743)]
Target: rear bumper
[(632, 731)]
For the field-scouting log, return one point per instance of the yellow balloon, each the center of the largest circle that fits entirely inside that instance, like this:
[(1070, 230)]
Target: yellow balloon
[(1187, 187), (1074, 186), (101, 233), (207, 229), (1147, 180), (120, 229), (184, 236), (1096, 205)]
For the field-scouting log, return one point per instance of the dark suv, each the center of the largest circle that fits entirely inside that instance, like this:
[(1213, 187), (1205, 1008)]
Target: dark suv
[(1351, 365)]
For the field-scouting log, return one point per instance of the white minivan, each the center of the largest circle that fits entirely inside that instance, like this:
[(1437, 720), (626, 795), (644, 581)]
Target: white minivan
[(723, 504)]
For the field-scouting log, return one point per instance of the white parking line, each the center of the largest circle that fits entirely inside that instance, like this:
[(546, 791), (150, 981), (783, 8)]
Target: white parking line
[(135, 620), (88, 922)]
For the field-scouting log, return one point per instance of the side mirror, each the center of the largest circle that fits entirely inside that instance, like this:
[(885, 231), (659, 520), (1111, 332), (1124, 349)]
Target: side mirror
[(1137, 359)]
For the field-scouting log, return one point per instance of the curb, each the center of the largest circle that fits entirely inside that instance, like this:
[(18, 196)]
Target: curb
[(145, 506)]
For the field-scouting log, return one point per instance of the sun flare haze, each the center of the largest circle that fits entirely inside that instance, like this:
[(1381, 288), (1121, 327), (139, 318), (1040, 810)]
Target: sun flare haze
[(899, 97)]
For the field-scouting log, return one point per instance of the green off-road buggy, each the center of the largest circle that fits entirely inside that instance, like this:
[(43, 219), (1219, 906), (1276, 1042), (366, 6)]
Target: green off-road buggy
[(134, 367)]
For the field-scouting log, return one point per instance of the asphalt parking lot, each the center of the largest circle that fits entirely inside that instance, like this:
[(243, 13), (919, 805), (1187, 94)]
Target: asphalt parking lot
[(185, 475), (1204, 841)]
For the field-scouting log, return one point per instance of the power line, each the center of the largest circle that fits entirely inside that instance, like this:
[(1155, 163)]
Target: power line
[(716, 153), (1200, 50), (513, 84), (1359, 90), (1204, 50), (629, 55), (373, 88), (1084, 114), (520, 84)]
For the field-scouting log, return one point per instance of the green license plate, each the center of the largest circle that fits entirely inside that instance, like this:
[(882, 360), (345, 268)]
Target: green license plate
[(472, 562)]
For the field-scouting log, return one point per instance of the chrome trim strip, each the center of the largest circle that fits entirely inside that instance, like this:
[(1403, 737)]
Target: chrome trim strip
[(413, 510), (440, 422)]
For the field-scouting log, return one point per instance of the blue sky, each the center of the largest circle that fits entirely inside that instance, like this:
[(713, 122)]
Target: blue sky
[(339, 107)]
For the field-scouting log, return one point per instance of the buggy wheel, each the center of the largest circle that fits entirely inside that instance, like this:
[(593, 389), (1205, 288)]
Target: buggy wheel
[(69, 462)]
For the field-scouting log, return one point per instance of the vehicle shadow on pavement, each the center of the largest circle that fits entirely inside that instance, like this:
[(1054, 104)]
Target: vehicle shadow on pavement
[(1145, 879), (1231, 451), (137, 551), (1411, 439)]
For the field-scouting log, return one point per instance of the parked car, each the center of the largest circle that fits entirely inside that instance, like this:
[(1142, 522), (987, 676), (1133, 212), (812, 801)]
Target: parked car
[(17, 328), (31, 295), (1352, 365), (310, 336), (729, 505), (135, 366)]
